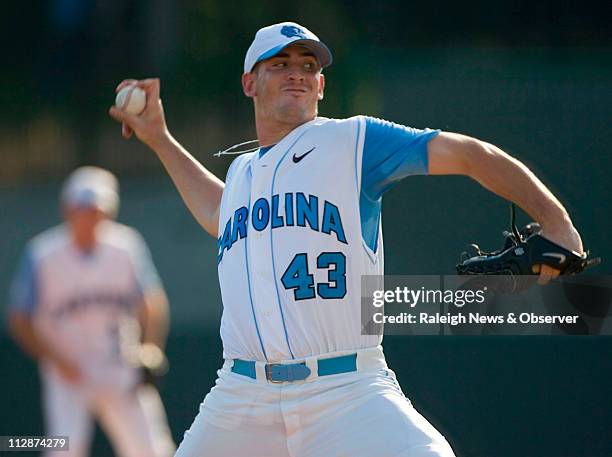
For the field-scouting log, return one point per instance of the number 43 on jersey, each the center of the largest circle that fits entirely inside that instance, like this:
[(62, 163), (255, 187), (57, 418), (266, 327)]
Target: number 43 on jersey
[(298, 277)]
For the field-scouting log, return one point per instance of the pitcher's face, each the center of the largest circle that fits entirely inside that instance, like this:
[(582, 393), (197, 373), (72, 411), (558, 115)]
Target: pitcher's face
[(286, 87)]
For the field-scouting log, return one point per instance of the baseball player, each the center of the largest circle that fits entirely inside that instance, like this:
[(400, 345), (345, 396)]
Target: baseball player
[(86, 302), (298, 221)]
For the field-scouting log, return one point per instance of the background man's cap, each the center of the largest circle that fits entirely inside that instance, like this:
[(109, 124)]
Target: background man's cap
[(92, 187), (271, 40)]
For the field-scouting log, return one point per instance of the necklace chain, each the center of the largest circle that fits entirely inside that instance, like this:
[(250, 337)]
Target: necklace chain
[(235, 149)]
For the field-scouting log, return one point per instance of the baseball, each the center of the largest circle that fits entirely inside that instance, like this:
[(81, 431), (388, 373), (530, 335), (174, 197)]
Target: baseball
[(131, 99)]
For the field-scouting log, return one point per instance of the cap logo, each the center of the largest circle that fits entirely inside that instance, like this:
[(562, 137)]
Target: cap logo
[(291, 30)]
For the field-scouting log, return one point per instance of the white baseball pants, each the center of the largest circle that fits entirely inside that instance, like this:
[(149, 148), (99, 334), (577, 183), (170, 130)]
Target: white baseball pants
[(363, 413)]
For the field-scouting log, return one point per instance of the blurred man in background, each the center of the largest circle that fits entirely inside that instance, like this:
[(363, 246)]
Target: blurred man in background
[(88, 305)]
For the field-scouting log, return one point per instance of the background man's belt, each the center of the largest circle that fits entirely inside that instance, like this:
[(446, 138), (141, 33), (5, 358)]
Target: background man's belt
[(290, 372)]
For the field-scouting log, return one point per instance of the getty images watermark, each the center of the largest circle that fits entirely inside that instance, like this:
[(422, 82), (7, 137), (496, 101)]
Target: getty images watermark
[(413, 297), (485, 305)]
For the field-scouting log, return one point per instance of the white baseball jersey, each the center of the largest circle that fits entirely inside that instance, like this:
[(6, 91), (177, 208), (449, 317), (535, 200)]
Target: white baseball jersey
[(299, 225), (81, 302)]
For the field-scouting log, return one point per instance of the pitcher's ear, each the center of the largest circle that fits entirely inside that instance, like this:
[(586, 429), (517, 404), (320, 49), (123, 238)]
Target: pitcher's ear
[(248, 84), (321, 86)]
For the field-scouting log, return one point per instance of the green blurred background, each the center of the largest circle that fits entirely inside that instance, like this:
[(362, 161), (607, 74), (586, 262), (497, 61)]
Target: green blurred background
[(532, 78)]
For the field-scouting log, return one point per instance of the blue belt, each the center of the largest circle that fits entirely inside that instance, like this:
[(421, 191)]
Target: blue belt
[(279, 372)]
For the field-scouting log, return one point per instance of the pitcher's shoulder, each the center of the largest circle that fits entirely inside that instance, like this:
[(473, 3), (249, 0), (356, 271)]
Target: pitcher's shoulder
[(338, 125)]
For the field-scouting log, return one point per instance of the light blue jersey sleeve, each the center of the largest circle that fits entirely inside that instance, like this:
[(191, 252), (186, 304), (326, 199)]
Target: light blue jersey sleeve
[(147, 278), (390, 153), (23, 292)]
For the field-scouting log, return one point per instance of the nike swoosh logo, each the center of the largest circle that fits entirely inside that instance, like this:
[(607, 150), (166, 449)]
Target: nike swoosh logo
[(297, 158), (555, 255)]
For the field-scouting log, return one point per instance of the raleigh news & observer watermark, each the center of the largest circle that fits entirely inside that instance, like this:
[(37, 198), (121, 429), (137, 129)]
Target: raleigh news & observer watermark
[(485, 305)]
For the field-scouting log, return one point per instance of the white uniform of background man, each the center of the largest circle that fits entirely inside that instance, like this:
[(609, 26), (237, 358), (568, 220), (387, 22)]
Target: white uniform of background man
[(297, 223), (78, 300)]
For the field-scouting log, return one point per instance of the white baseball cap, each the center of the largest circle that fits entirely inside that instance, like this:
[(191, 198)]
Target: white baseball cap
[(91, 187), (271, 40)]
